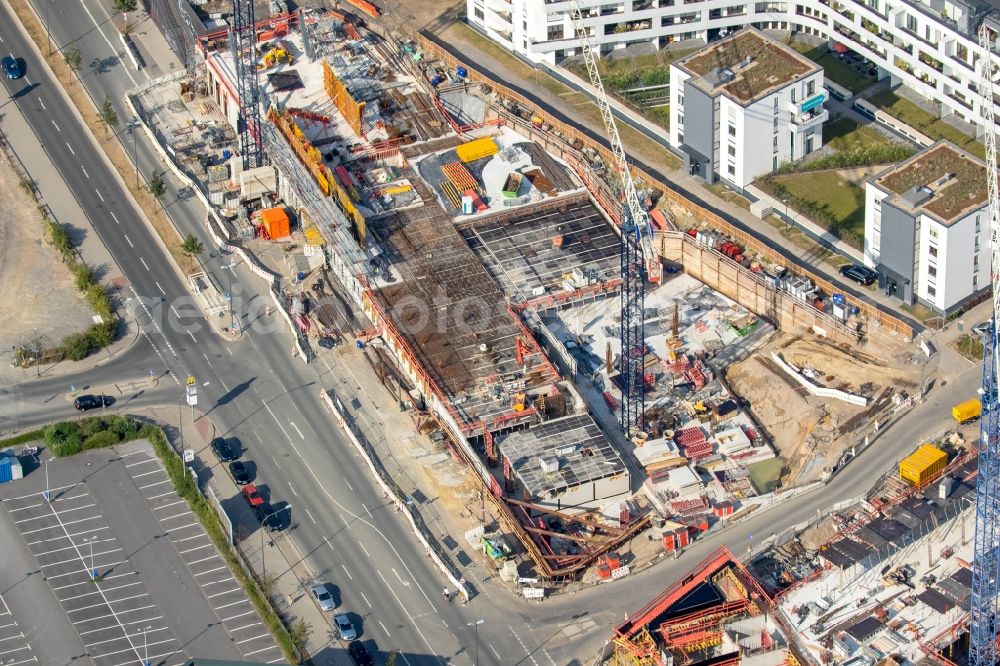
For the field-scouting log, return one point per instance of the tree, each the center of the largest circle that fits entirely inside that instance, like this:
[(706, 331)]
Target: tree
[(157, 186), (192, 245), (300, 632), (73, 59), (124, 5), (108, 116), (391, 659)]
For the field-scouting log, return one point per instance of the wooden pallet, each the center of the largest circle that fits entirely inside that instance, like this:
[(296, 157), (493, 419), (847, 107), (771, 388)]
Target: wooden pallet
[(460, 177)]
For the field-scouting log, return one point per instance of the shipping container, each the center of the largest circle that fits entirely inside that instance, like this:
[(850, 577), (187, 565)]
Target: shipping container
[(966, 411), (922, 465)]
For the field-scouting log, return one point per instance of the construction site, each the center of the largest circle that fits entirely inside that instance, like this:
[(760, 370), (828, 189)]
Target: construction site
[(883, 579), (427, 219)]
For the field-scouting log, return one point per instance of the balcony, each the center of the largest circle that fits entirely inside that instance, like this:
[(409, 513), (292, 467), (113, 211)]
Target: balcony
[(805, 121), (962, 62), (931, 61)]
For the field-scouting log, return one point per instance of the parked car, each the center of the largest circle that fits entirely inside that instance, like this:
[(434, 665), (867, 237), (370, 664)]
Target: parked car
[(323, 597), (345, 628), (241, 475), (269, 519), (860, 274), (11, 68), (252, 495), (222, 450), (328, 342), (359, 653), (86, 402)]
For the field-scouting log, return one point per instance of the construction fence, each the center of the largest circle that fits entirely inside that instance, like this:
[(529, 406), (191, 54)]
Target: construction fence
[(564, 138)]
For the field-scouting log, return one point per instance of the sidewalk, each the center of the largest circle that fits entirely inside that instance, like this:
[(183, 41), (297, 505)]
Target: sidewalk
[(273, 558)]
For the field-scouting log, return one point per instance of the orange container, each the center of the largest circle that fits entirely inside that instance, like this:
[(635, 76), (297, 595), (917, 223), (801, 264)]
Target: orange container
[(275, 223), (603, 571)]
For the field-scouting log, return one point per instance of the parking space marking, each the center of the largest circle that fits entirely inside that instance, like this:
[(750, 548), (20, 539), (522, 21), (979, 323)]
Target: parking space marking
[(176, 515), (210, 571), (178, 529), (155, 471), (215, 582), (131, 649), (169, 492), (235, 603), (196, 536), (20, 649), (111, 589), (191, 550), (180, 501), (252, 639), (227, 619), (44, 516), (141, 462), (56, 550), (68, 522), (154, 484), (148, 619), (219, 594), (245, 626), (75, 534), (55, 564), (114, 615), (77, 610), (273, 647)]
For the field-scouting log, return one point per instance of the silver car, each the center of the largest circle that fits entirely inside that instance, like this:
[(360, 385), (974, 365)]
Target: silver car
[(344, 627), (321, 594)]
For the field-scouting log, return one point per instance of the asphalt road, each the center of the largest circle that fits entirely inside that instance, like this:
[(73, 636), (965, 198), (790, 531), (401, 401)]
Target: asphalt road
[(271, 405)]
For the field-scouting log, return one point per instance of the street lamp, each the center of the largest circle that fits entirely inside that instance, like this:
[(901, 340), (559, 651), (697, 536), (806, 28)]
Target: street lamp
[(785, 201), (470, 624), (48, 34), (229, 294), (132, 125), (145, 645), (93, 571), (263, 561)]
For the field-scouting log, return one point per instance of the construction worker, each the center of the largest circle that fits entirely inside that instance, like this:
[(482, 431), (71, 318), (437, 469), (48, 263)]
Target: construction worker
[(446, 594)]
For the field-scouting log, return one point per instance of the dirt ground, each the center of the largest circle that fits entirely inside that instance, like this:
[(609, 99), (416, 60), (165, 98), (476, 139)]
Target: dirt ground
[(808, 431), (41, 296)]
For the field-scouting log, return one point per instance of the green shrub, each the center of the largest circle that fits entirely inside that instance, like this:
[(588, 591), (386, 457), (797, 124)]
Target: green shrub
[(125, 427), (60, 239), (101, 335), (888, 153), (63, 438), (89, 425), (23, 438), (100, 301), (101, 440), (76, 346), (83, 275)]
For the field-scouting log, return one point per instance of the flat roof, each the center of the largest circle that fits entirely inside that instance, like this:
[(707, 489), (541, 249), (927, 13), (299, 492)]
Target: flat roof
[(576, 443), (942, 181), (746, 66)]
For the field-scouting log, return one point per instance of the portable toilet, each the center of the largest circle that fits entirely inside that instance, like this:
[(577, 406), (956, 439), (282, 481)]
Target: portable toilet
[(468, 207), (10, 469)]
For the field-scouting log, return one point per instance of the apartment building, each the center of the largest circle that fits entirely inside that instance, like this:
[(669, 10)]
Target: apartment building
[(930, 46), (927, 228), (743, 105)]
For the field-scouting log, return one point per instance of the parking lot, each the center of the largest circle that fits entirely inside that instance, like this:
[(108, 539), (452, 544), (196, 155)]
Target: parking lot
[(135, 574), (14, 646)]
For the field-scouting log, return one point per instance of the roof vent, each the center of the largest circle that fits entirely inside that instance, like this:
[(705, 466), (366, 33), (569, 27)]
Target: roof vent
[(565, 450), (944, 179), (726, 74), (744, 63), (549, 465)]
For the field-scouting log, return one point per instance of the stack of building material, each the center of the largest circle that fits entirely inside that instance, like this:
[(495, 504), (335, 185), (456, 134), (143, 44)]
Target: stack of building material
[(733, 441), (659, 454), (694, 375), (675, 536), (689, 507), (685, 481), (698, 451)]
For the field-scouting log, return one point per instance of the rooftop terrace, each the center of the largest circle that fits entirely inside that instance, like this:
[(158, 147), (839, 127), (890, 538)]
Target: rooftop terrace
[(943, 181), (747, 66)]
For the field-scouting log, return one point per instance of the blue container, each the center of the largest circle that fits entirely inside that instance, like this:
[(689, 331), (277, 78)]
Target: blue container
[(463, 72), (301, 276), (6, 470), (226, 154), (436, 81)]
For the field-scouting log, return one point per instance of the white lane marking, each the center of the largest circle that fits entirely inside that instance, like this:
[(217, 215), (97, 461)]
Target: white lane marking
[(42, 103), (144, 263), (348, 483), (523, 646), (84, 170), (292, 488), (193, 338), (383, 628), (410, 617), (345, 570), (366, 599), (163, 292), (110, 45), (404, 582), (99, 195), (128, 240), (494, 650), (310, 517), (176, 313), (367, 510), (56, 126), (72, 152), (114, 217), (364, 549), (292, 423)]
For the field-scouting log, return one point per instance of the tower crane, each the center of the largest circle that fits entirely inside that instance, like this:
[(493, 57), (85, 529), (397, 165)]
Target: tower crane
[(986, 565), (636, 251)]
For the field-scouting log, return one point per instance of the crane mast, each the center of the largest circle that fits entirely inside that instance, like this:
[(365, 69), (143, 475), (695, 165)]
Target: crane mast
[(636, 250), (986, 565)]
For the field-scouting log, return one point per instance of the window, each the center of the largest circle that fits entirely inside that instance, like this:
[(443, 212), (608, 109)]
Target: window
[(977, 224), (479, 14), (878, 207), (732, 130), (933, 232), (793, 95), (932, 271), (931, 292), (680, 137), (555, 32), (975, 262), (975, 281), (932, 251), (680, 119), (732, 150), (775, 103), (775, 142), (811, 88), (774, 163), (776, 123), (911, 22), (731, 169)]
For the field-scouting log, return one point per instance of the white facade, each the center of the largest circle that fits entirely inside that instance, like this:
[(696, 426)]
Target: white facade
[(930, 47), (746, 139), (948, 260)]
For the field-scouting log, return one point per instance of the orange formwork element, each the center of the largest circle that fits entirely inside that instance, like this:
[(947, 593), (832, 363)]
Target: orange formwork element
[(476, 149), (366, 7), (352, 110), (275, 224)]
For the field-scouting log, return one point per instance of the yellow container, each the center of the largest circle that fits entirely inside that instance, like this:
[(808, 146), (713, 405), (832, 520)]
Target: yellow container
[(966, 411), (477, 149), (922, 465)]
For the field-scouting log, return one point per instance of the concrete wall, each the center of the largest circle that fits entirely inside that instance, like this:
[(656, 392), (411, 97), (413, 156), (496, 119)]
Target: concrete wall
[(589, 495), (899, 248)]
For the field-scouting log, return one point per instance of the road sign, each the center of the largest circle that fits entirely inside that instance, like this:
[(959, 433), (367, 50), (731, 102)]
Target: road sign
[(192, 393), (189, 455), (526, 581), (533, 592), (191, 380)]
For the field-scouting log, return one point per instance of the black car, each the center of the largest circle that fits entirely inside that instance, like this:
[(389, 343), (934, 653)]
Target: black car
[(270, 519), (222, 450), (359, 653), (85, 402), (860, 274), (241, 475)]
